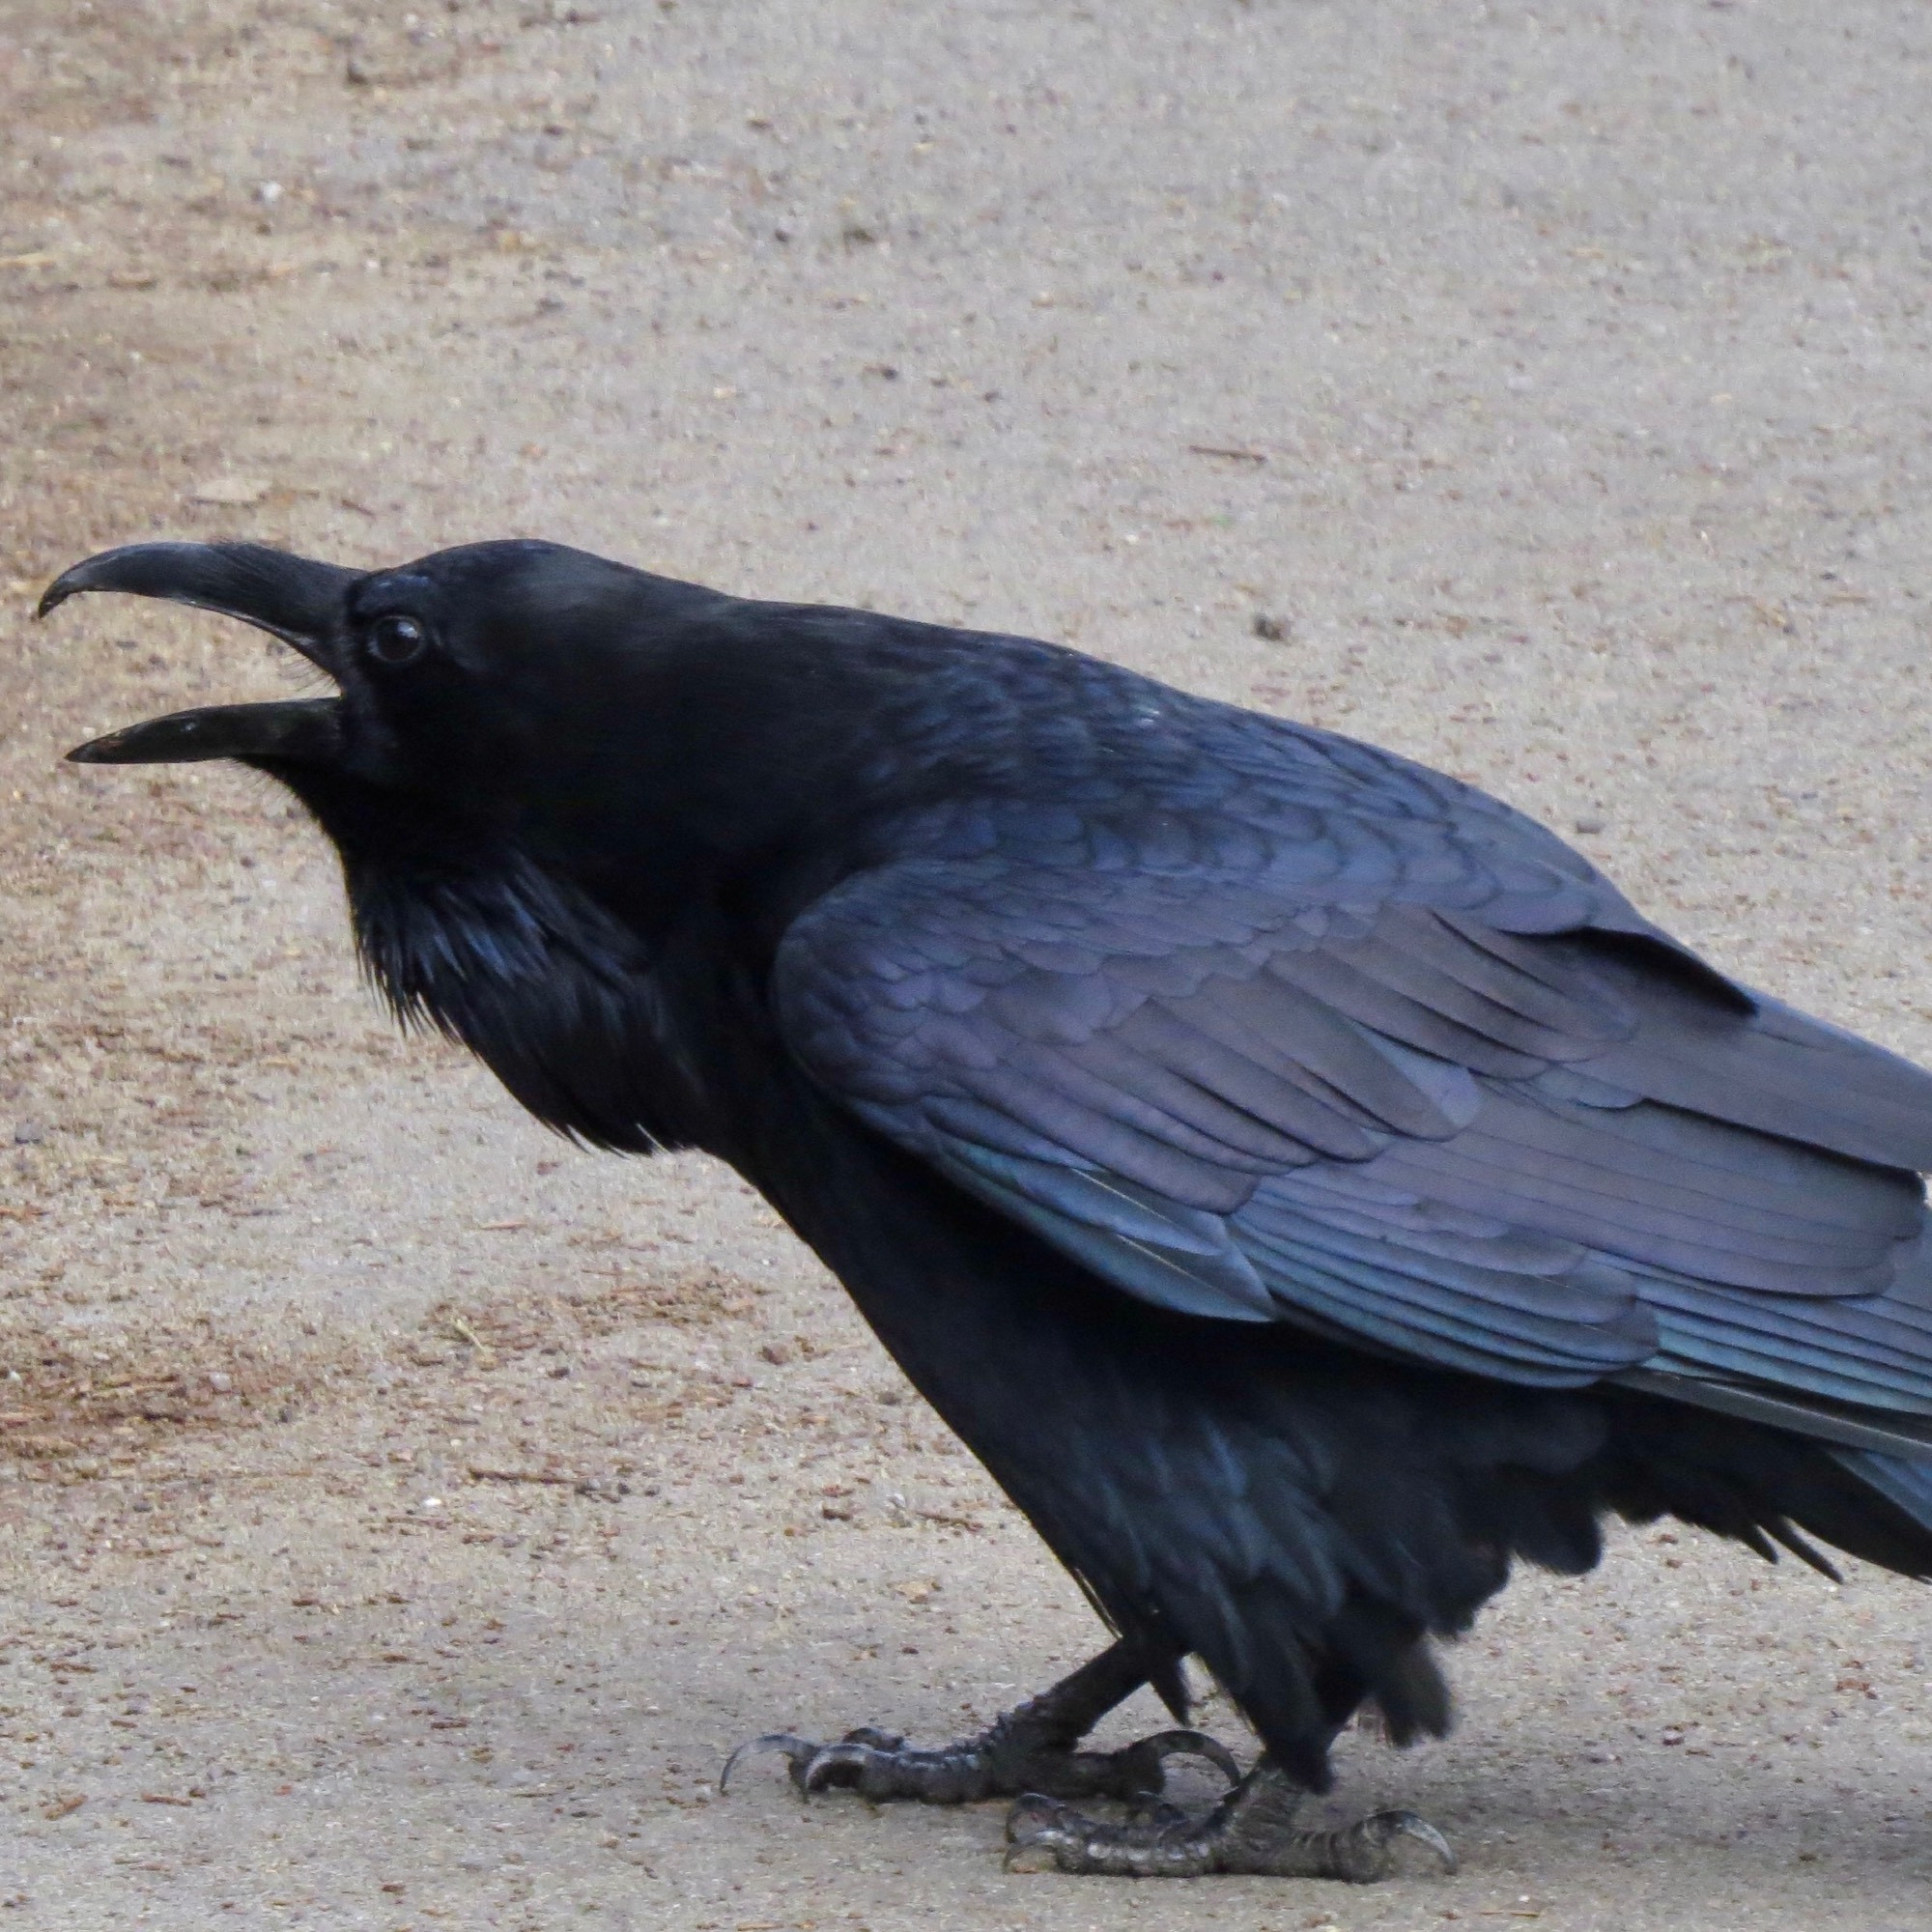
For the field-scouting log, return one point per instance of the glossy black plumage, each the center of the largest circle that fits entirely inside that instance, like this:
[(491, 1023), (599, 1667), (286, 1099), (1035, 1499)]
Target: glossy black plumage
[(1304, 1181)]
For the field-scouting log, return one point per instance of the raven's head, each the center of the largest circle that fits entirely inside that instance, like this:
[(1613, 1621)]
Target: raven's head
[(638, 735), (461, 678), (499, 708), (535, 764)]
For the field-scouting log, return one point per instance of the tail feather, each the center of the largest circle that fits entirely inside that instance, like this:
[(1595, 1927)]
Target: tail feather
[(1772, 1486), (1903, 1481)]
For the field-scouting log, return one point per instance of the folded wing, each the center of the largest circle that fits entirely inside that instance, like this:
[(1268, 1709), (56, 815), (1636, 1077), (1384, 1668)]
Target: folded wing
[(1427, 1118)]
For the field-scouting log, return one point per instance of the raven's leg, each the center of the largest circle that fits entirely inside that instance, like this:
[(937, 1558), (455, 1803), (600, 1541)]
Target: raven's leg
[(1252, 1831), (1033, 1748)]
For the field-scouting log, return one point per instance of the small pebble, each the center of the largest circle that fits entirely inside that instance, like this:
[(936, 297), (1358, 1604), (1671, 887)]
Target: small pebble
[(1587, 824)]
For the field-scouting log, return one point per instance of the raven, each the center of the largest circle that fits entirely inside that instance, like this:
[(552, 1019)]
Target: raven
[(1306, 1183)]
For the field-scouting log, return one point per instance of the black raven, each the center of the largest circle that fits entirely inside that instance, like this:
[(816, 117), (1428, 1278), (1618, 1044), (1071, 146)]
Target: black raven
[(1306, 1183)]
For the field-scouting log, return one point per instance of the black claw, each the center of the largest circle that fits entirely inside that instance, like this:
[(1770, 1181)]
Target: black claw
[(795, 1750), (1188, 1743), (1251, 1832), (1035, 1752), (879, 1766), (1384, 1828)]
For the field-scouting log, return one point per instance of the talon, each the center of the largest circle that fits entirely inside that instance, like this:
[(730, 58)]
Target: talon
[(793, 1748), (1385, 1827), (1191, 1744), (1251, 1833), (1032, 1826), (1033, 1749)]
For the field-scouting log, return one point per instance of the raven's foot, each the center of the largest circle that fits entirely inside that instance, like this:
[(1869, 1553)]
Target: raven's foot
[(1001, 1762), (1033, 1749), (1252, 1831)]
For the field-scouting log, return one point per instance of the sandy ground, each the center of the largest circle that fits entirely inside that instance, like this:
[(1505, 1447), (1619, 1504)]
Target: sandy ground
[(401, 1514)]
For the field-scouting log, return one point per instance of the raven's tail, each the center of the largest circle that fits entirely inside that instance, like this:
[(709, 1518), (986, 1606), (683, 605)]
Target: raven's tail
[(1903, 1481), (1769, 1486)]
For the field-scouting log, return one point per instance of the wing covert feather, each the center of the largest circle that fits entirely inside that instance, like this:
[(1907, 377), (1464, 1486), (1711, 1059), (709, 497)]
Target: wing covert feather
[(1380, 1082)]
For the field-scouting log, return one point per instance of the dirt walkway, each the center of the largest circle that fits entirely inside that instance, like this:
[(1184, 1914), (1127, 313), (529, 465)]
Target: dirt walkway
[(400, 1513)]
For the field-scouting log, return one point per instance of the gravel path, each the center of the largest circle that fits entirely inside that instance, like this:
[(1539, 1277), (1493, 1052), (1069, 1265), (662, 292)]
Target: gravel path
[(400, 1512)]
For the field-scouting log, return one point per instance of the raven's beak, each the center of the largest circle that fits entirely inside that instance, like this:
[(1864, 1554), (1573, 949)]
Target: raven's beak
[(305, 729), (292, 598)]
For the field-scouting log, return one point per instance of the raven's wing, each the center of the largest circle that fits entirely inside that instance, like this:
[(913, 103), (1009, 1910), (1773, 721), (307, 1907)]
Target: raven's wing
[(1425, 1085)]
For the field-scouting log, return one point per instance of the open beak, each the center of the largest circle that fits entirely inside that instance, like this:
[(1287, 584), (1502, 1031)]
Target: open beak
[(304, 729), (292, 598)]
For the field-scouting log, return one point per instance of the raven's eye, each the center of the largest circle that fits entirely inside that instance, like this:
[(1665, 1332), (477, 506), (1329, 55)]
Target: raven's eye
[(395, 640)]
